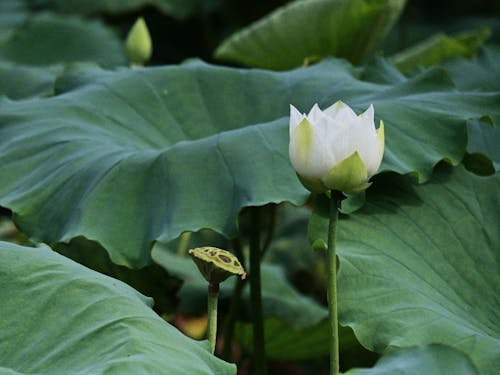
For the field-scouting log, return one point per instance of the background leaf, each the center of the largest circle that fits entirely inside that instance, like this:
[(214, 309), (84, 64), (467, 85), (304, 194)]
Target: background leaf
[(428, 360), (180, 9), (47, 38), (419, 265), (312, 29), (481, 73), (482, 147), (12, 13), (438, 48), (280, 299), (59, 317), (20, 82), (132, 156), (285, 342)]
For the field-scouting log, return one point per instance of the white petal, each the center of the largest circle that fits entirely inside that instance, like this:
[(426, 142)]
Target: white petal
[(341, 112), (308, 152), (315, 114), (374, 151), (340, 142), (367, 118), (295, 118)]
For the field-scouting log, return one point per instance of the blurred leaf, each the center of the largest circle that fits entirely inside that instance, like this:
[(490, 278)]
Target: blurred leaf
[(419, 265), (180, 9), (133, 156), (285, 342), (429, 360), (280, 299), (440, 47), (12, 13), (315, 28), (20, 82), (47, 38), (60, 317), (482, 73), (482, 148)]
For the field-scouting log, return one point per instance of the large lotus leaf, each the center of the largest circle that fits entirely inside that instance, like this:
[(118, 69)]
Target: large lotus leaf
[(47, 38), (59, 317), (131, 156), (419, 265), (151, 280), (428, 360), (312, 29), (19, 82), (438, 48), (180, 9)]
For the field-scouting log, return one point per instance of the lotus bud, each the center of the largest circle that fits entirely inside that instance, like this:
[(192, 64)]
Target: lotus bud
[(138, 45), (335, 149)]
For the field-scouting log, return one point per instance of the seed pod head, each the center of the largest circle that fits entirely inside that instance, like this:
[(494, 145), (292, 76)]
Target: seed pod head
[(216, 265)]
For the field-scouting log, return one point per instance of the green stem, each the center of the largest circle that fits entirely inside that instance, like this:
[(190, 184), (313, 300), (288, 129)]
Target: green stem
[(231, 316), (332, 283), (213, 295), (259, 350), (270, 229)]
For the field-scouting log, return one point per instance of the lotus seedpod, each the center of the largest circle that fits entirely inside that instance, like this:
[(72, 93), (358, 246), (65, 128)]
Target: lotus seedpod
[(216, 265)]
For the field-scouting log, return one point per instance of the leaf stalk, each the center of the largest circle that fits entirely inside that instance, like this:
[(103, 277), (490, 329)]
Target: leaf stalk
[(335, 200)]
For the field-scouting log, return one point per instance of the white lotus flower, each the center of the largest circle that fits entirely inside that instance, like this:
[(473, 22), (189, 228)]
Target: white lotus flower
[(335, 149)]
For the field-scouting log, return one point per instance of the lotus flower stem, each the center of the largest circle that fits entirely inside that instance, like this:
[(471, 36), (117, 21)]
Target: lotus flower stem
[(259, 351), (332, 282), (213, 296)]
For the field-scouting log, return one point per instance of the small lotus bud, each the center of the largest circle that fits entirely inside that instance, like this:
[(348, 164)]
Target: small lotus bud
[(138, 45), (216, 265)]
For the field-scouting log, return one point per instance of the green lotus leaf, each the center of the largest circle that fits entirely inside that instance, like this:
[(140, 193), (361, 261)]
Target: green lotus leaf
[(313, 29), (132, 156), (480, 73), (47, 38), (482, 147), (179, 9), (419, 265), (59, 317), (21, 81), (440, 47), (429, 360), (279, 298), (285, 342), (288, 342), (12, 13)]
